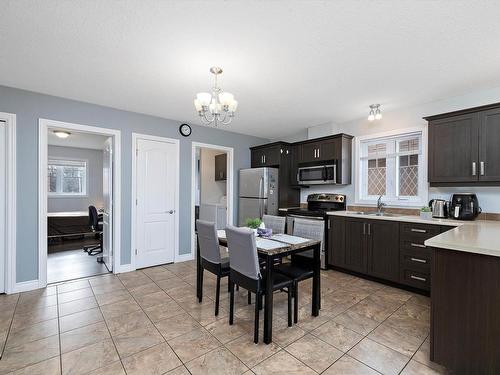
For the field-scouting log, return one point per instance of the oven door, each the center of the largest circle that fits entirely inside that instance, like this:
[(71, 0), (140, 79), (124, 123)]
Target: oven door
[(321, 174)]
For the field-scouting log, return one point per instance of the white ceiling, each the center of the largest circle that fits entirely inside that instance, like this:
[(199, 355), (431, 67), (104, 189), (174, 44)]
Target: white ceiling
[(290, 64), (78, 140)]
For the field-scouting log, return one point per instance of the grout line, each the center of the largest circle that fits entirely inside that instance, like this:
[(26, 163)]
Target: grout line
[(10, 326), (59, 333)]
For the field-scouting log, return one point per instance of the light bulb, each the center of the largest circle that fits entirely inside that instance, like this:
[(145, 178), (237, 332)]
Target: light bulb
[(61, 134), (378, 115), (371, 116)]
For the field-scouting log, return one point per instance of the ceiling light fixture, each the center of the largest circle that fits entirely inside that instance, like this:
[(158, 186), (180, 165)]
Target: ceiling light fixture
[(375, 113), (62, 134), (219, 106)]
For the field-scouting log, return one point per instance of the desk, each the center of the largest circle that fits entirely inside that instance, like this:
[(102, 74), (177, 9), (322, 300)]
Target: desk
[(67, 224), (279, 246)]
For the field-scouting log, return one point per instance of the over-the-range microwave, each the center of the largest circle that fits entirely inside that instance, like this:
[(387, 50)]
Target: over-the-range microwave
[(317, 174)]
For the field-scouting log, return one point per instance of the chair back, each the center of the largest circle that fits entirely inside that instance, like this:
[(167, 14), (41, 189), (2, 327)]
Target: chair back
[(243, 251), (207, 241), (276, 223), (93, 218), (312, 229)]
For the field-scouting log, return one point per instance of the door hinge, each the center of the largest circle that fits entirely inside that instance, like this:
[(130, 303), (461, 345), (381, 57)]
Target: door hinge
[(136, 152), (135, 251), (136, 201)]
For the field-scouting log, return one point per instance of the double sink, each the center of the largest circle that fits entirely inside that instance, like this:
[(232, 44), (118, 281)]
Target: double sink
[(387, 214)]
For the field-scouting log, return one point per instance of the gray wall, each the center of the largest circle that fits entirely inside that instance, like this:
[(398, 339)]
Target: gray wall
[(94, 179), (29, 107)]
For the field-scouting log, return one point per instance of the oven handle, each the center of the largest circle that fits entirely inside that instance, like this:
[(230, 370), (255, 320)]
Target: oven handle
[(307, 217)]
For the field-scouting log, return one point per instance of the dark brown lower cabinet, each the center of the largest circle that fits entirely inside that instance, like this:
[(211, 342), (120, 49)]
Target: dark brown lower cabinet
[(355, 245), (465, 312), (383, 249)]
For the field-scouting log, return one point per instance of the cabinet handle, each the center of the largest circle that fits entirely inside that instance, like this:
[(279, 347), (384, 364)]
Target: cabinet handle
[(418, 278), (473, 168), (369, 229), (418, 245), (418, 260), (418, 230), (314, 153), (281, 150), (318, 152), (364, 229), (329, 224), (481, 168), (262, 159)]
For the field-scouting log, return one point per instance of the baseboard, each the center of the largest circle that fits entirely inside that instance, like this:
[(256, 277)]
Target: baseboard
[(125, 268), (25, 286), (183, 257)]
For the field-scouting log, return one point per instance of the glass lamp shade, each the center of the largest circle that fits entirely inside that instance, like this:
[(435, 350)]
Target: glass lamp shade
[(204, 98), (197, 105), (378, 115), (232, 106), (371, 116), (226, 98)]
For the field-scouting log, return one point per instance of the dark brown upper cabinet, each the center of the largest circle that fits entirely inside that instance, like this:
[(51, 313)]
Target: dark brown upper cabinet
[(221, 167), (266, 156), (463, 147)]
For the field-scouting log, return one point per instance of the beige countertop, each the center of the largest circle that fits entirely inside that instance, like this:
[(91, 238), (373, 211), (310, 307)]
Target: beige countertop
[(478, 237)]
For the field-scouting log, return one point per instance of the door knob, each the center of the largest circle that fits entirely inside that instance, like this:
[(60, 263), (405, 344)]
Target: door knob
[(170, 212)]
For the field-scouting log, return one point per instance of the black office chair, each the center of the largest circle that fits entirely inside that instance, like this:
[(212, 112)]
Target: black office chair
[(96, 227)]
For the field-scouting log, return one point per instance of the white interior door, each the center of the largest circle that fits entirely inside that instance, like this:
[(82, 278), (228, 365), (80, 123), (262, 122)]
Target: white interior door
[(107, 215), (3, 156), (156, 197)]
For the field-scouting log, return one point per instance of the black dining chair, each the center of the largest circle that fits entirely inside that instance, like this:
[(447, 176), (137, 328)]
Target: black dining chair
[(245, 272), (301, 266), (210, 257), (96, 227)]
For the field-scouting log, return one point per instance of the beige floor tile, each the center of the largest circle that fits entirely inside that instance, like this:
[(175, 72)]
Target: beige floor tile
[(410, 325), (153, 361), (33, 317), (375, 308), (423, 356), (315, 353), (79, 319), (116, 368), (337, 335), (158, 273), (418, 299), (89, 358), (180, 294), (72, 286), (6, 315), (395, 339), (8, 300), (225, 332), (206, 314), (75, 295), (145, 289), (135, 341), (153, 299), (84, 336), (282, 363), (177, 325), (349, 366), (32, 333), (136, 282), (173, 283), (357, 322), (113, 297), (115, 288), (217, 362), (193, 344), (48, 367), (33, 352), (181, 370), (395, 294), (249, 353), (119, 325), (119, 308), (163, 311), (30, 302), (415, 368), (77, 306), (379, 357)]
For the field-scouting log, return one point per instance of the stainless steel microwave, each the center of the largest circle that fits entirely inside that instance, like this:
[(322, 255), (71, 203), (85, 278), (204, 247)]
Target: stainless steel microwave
[(317, 174)]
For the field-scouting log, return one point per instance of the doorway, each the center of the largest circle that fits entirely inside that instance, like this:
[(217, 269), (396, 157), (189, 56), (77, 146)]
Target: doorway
[(212, 186), (78, 202), (155, 185)]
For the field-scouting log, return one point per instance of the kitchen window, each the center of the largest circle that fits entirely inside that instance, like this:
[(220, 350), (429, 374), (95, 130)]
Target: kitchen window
[(67, 178), (394, 166)]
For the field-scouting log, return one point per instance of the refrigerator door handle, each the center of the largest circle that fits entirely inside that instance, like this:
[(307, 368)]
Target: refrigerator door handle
[(261, 193)]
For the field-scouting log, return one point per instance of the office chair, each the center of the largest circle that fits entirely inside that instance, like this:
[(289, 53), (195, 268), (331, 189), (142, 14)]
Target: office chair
[(95, 227)]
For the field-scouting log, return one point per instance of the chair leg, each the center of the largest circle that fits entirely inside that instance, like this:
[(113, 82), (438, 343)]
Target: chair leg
[(256, 324), (231, 302), (237, 287), (217, 296), (260, 301), (295, 301), (289, 295), (228, 284), (249, 298), (200, 298)]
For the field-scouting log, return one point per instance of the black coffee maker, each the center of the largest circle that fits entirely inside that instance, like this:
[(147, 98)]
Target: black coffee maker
[(464, 206)]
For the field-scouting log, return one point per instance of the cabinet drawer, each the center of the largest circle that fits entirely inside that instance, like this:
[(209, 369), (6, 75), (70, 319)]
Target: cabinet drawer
[(414, 278), (415, 259), (422, 232), (417, 246)]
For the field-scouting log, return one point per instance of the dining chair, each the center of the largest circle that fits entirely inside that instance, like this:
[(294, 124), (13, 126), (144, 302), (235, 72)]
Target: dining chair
[(245, 272), (276, 223), (210, 257), (301, 266)]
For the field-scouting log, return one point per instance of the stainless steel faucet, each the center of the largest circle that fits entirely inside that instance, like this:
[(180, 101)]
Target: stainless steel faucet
[(380, 205)]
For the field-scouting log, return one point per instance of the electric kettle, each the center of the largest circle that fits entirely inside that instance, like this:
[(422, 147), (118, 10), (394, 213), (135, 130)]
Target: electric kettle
[(439, 208)]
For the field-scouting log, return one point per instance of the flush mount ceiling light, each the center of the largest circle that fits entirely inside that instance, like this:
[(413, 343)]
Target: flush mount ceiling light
[(62, 133), (219, 106), (375, 113)]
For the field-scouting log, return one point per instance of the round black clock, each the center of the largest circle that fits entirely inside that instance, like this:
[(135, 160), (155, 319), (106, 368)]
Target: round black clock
[(185, 130)]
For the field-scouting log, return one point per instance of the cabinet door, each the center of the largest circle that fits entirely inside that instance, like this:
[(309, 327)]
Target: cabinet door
[(220, 167), (355, 245), (308, 152), (272, 156), (489, 145), (383, 249), (336, 241), (328, 150), (257, 158), (453, 149)]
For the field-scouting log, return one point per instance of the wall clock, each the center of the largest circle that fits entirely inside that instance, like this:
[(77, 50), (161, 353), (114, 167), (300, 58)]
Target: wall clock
[(185, 130)]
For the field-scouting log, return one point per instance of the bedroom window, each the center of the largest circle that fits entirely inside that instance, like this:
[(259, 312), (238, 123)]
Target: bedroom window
[(67, 178), (392, 166)]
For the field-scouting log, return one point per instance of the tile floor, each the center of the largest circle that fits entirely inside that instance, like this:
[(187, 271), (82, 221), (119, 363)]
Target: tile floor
[(149, 322)]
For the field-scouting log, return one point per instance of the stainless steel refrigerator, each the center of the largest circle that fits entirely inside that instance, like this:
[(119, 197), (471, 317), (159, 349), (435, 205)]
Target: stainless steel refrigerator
[(258, 193)]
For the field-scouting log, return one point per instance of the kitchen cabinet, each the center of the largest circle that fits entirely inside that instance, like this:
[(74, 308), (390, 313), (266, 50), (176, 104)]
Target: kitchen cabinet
[(336, 241), (221, 167), (320, 150), (383, 249), (355, 251), (266, 156), (463, 147)]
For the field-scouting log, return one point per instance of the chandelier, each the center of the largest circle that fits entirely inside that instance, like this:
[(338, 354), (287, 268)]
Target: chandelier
[(375, 113), (219, 106)]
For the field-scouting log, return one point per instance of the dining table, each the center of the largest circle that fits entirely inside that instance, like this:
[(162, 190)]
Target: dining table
[(270, 250)]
